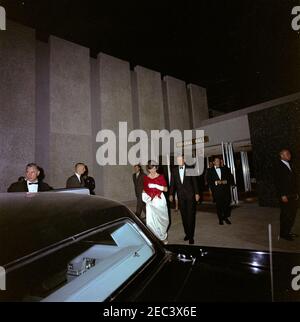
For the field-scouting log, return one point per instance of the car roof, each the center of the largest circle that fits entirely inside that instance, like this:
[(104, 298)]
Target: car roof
[(30, 222)]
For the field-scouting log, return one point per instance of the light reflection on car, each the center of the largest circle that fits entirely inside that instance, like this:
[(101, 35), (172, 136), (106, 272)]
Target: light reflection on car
[(67, 247)]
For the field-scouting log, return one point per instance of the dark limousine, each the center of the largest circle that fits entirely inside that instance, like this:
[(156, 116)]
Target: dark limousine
[(70, 247)]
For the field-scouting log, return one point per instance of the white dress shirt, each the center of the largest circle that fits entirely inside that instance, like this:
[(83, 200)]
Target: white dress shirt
[(181, 173), (32, 186), (218, 170), (78, 177), (287, 164)]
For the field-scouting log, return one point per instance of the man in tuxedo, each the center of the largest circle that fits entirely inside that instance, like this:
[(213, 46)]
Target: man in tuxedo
[(188, 194), (286, 182), (138, 182), (76, 180), (30, 183), (220, 179)]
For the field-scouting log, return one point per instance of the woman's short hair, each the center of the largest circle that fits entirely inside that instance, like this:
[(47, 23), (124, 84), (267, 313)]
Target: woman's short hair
[(152, 164)]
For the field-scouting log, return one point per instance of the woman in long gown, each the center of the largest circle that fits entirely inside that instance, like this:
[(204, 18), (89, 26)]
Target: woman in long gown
[(157, 218)]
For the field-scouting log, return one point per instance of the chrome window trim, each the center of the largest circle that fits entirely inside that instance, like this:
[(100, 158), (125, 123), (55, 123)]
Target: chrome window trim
[(72, 240)]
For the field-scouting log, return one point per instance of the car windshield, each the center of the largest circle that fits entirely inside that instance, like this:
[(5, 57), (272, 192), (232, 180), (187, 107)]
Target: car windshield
[(91, 268)]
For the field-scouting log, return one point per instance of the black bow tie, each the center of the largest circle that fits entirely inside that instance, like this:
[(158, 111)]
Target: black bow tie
[(181, 168), (30, 183)]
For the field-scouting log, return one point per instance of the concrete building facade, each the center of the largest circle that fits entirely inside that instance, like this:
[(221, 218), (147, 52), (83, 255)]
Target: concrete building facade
[(55, 99)]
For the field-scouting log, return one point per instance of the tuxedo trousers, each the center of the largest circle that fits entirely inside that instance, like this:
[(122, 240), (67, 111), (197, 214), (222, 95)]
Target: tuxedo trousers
[(223, 208), (287, 217), (187, 209), (140, 205)]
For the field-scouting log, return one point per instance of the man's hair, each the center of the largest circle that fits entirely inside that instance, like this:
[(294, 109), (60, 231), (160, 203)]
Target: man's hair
[(32, 165), (284, 149), (78, 164), (216, 157)]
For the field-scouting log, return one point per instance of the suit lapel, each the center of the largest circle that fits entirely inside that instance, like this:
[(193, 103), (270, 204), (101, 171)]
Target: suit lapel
[(178, 174), (287, 170), (216, 174), (290, 170), (140, 177), (25, 186), (222, 173)]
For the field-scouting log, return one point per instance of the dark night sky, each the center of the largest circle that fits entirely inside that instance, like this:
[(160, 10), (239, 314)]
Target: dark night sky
[(244, 52)]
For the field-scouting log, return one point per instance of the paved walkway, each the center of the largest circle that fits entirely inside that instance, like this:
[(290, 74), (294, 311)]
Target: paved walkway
[(249, 229)]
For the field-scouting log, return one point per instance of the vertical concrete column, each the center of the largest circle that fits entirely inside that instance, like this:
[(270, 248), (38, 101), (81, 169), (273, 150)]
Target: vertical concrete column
[(150, 99), (150, 104), (17, 101), (70, 110), (198, 104), (42, 140), (135, 100), (96, 122), (165, 103), (178, 108), (116, 106)]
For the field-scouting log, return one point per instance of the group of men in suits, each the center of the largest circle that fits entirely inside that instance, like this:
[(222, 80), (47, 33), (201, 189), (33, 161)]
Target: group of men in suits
[(219, 179), (188, 194), (33, 181)]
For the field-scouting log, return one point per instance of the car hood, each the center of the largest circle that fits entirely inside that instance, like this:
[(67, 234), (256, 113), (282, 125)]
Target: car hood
[(208, 274)]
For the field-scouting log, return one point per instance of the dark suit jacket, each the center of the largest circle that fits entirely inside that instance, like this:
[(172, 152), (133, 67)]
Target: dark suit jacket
[(22, 187), (73, 182), (165, 173), (89, 183), (220, 191), (286, 180), (138, 183), (185, 190)]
